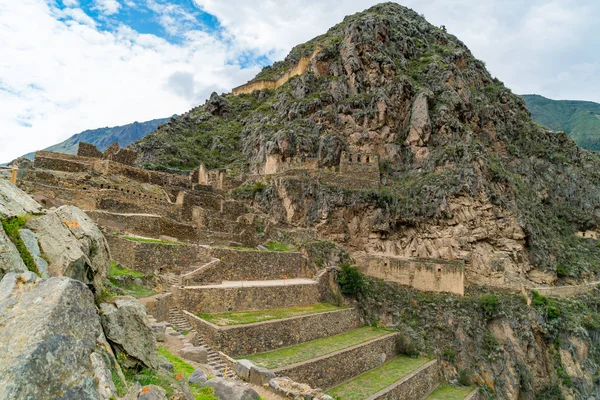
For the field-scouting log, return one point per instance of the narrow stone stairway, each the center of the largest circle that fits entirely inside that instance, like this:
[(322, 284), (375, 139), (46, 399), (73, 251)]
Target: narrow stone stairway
[(178, 320)]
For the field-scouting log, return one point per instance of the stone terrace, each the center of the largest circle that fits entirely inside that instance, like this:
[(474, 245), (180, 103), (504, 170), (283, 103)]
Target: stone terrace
[(175, 226)]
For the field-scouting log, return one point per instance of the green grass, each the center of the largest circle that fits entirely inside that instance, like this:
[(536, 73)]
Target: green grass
[(11, 227), (114, 270), (139, 291), (316, 348), (248, 317), (180, 366), (376, 379), (448, 392), (149, 240), (274, 245), (132, 289), (185, 369)]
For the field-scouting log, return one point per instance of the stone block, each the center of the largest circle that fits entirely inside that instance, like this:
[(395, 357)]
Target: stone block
[(242, 369), (196, 354), (160, 331), (197, 377), (260, 376)]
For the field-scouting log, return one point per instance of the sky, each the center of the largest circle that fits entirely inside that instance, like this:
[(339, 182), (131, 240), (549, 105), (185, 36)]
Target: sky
[(71, 65)]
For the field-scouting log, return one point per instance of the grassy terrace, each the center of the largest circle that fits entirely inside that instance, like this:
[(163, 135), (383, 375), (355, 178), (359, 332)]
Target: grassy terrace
[(248, 317), (448, 392), (316, 348), (376, 379), (132, 289)]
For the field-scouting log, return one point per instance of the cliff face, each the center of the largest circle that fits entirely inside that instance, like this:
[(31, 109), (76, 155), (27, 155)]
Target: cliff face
[(466, 173)]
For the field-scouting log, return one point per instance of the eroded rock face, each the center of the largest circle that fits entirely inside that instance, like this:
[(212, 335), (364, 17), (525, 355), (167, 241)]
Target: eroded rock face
[(52, 344), (73, 245), (127, 327), (15, 202)]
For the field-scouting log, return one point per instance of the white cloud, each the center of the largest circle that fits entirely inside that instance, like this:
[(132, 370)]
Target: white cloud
[(65, 77), (107, 7)]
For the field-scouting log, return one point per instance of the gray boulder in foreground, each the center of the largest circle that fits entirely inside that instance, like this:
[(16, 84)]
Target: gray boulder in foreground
[(128, 328), (73, 245), (15, 202), (52, 344), (231, 390)]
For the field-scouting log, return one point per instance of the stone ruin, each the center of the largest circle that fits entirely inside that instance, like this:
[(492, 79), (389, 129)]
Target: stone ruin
[(114, 153)]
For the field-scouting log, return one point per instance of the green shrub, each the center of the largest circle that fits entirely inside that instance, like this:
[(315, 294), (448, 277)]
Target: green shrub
[(248, 191), (11, 227), (351, 280), (488, 304), (561, 271), (552, 312), (449, 354), (464, 377), (537, 299), (550, 392)]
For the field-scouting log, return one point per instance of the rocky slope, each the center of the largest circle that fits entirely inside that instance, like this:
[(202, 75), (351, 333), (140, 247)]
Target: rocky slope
[(580, 119), (466, 171)]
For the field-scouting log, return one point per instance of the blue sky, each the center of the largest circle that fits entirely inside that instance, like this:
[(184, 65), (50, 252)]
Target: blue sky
[(71, 65)]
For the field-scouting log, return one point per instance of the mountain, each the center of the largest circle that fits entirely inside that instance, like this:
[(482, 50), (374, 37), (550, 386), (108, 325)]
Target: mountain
[(104, 137), (580, 119), (447, 133)]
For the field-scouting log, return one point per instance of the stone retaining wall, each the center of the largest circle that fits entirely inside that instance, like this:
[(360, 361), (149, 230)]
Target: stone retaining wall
[(332, 369), (144, 225), (243, 340), (428, 275), (199, 299), (416, 385), (567, 291), (150, 258), (158, 306), (248, 265), (475, 395)]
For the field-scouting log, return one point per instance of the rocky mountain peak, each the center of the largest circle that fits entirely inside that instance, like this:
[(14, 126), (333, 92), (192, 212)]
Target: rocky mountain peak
[(386, 82)]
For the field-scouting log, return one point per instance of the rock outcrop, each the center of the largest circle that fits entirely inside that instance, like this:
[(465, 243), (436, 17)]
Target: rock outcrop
[(52, 343), (14, 202), (128, 329), (73, 245)]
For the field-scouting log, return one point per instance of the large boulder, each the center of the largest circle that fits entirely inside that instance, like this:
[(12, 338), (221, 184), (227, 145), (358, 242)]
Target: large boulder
[(231, 390), (73, 245), (51, 341), (128, 329), (15, 202)]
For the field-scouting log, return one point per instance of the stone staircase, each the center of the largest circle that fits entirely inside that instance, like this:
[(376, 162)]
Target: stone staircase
[(178, 320), (215, 361)]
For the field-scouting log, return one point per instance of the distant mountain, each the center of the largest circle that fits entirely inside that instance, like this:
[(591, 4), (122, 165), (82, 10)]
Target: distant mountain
[(104, 137), (580, 119)]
